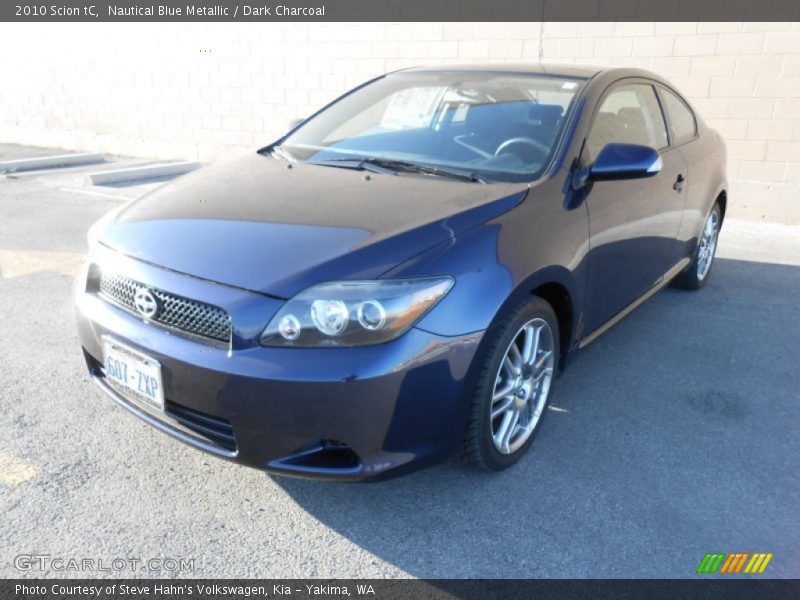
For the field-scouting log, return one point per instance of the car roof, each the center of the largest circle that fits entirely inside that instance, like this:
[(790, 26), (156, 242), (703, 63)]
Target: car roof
[(569, 70), (582, 71)]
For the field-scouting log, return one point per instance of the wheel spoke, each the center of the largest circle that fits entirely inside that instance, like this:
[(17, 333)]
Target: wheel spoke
[(512, 428), (502, 407), (542, 360), (501, 430), (527, 342), (540, 375), (508, 365), (507, 428), (516, 357), (504, 391)]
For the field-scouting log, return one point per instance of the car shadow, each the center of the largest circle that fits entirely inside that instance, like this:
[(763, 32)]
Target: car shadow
[(660, 441)]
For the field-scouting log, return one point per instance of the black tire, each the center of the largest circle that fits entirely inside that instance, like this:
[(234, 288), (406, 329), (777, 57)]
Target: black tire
[(690, 278), (479, 449)]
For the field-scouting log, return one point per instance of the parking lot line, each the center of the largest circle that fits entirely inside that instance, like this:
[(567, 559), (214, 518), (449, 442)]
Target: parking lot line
[(15, 263), (14, 471)]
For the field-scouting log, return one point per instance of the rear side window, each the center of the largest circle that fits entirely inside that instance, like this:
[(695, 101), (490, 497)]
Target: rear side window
[(682, 125), (630, 114)]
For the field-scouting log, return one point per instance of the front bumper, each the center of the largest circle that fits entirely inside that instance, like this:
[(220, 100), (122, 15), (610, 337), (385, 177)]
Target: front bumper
[(330, 413)]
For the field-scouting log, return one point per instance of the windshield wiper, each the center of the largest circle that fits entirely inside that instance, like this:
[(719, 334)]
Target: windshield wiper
[(359, 164), (394, 166), (412, 167), (283, 153)]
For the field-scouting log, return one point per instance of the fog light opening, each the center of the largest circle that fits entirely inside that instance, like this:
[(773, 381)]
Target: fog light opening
[(326, 455)]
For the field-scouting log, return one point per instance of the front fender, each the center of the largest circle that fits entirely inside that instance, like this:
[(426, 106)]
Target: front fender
[(487, 287)]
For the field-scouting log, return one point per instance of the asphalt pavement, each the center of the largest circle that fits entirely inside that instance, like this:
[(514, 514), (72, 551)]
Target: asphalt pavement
[(675, 434)]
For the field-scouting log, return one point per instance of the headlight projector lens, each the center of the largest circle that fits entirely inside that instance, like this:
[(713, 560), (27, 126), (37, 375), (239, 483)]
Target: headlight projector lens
[(329, 316), (371, 315), (289, 327)]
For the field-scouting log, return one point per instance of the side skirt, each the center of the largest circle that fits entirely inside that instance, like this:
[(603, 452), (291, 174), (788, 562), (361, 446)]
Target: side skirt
[(660, 283)]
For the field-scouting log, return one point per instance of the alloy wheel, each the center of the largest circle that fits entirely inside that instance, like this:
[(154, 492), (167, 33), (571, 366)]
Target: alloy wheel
[(522, 385), (708, 245)]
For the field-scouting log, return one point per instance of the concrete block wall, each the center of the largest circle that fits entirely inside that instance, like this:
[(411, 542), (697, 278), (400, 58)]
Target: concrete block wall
[(204, 91)]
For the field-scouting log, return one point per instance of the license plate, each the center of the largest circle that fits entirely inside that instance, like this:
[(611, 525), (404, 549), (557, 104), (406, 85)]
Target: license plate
[(134, 374)]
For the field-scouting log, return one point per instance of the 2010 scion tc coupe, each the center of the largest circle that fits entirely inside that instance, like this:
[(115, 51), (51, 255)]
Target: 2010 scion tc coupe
[(404, 274)]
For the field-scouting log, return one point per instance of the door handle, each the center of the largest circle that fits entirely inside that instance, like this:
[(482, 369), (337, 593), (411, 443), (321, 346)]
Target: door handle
[(678, 185)]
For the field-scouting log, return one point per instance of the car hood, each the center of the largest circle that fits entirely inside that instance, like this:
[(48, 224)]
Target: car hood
[(256, 224)]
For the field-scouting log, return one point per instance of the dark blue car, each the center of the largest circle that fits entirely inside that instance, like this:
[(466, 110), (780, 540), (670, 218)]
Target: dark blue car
[(402, 277)]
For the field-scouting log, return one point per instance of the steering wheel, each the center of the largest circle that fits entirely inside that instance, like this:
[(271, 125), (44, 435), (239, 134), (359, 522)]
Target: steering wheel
[(542, 149)]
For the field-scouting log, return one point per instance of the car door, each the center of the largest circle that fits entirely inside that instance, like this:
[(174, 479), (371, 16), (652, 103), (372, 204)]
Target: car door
[(634, 223), (700, 163)]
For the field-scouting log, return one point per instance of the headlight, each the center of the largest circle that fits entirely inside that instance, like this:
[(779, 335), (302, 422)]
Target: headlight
[(354, 313)]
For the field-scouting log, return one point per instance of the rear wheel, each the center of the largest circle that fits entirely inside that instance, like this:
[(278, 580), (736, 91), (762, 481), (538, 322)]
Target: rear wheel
[(514, 387), (697, 273)]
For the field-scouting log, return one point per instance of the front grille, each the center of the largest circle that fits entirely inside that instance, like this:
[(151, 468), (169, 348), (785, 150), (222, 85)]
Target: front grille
[(191, 316), (216, 429)]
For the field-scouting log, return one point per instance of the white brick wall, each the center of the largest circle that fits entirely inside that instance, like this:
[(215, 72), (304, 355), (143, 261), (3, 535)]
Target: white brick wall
[(199, 91)]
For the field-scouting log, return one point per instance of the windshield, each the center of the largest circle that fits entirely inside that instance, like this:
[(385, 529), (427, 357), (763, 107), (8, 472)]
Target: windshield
[(501, 127)]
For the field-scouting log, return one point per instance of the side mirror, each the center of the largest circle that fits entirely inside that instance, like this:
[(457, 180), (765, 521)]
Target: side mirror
[(294, 123), (625, 161)]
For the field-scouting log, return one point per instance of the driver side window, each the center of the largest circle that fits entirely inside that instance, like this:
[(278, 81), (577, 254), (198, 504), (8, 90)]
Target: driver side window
[(630, 114)]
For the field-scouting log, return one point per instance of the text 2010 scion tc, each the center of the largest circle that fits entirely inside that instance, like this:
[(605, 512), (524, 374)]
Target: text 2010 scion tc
[(403, 275)]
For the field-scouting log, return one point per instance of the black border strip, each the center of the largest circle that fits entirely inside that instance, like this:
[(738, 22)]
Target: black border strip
[(477, 589), (396, 10)]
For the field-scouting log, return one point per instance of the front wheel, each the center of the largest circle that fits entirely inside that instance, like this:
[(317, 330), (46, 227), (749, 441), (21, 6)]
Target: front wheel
[(696, 274), (514, 387)]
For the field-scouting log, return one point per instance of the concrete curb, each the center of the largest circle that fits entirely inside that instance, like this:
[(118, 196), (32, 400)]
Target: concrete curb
[(138, 173), (50, 162)]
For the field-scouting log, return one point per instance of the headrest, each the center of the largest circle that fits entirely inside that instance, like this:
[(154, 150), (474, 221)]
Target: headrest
[(606, 129), (630, 114), (546, 112), (634, 127), (483, 118), (605, 121)]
